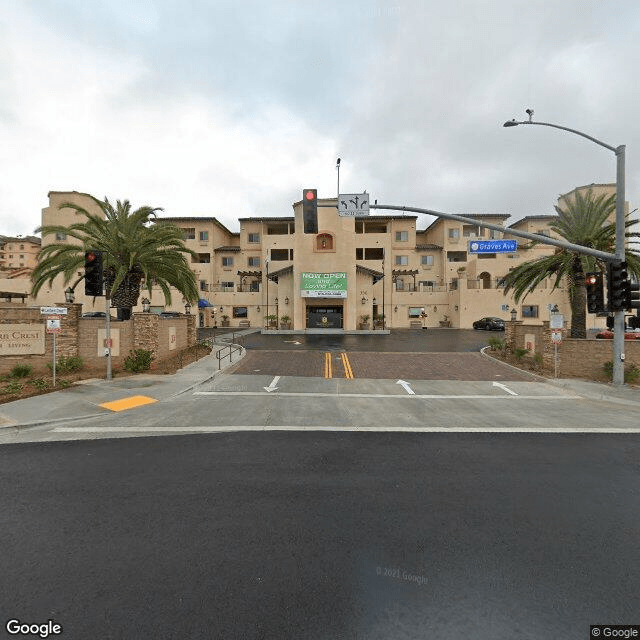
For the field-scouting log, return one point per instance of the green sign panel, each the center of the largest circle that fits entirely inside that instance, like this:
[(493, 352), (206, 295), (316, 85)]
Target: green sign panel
[(324, 285)]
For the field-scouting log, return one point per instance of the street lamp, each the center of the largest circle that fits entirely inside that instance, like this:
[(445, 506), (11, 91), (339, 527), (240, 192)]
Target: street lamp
[(69, 295), (618, 333), (514, 314), (187, 308), (146, 305)]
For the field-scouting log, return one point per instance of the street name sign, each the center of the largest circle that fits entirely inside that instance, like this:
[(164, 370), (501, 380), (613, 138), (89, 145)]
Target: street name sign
[(53, 311), (353, 204), (493, 246)]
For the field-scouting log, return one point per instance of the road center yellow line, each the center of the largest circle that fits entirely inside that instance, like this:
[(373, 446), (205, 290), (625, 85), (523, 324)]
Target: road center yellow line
[(128, 403), (327, 365), (348, 371)]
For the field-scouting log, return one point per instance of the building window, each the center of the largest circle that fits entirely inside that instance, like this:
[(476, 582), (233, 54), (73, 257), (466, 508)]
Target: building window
[(427, 284), (370, 253), (189, 233), (415, 312), (486, 256), (240, 312), (426, 261), (281, 254), (454, 234), (227, 286), (204, 236), (530, 311), (254, 285), (21, 247), (253, 261), (203, 285), (402, 260), (227, 261), (254, 238), (494, 234), (471, 231), (402, 236), (60, 236), (456, 256)]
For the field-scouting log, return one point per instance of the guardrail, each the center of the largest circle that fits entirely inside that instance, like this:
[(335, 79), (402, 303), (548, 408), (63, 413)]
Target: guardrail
[(232, 348)]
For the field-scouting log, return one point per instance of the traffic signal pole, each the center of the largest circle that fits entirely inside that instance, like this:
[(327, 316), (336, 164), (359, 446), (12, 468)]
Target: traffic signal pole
[(618, 318)]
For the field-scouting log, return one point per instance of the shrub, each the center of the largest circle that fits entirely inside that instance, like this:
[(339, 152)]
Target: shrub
[(21, 371), (67, 364), (520, 353), (138, 360), (631, 371), (40, 384), (537, 358), (496, 344), (13, 388), (64, 383)]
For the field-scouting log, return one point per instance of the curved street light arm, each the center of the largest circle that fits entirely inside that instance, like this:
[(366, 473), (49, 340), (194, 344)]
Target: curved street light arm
[(513, 123)]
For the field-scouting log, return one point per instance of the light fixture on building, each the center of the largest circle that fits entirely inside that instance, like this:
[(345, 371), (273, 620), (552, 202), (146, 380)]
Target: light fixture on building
[(69, 295), (220, 309), (258, 308), (395, 308), (455, 308), (286, 300), (374, 301), (276, 300), (364, 300), (187, 308), (146, 305), (514, 314)]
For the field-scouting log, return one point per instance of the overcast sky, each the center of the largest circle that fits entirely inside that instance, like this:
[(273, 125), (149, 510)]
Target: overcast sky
[(230, 108)]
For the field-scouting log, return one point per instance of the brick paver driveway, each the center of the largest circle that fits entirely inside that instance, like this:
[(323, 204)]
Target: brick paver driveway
[(370, 364)]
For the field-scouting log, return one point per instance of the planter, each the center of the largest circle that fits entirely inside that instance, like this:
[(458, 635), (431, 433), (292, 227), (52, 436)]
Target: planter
[(285, 325), (445, 323), (225, 323), (364, 326)]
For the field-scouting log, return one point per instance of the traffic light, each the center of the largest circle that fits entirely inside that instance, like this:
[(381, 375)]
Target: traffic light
[(617, 286), (93, 273), (595, 292), (632, 300), (310, 210)]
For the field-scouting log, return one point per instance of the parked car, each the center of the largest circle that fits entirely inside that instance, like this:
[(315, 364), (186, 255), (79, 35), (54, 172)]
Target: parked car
[(490, 324)]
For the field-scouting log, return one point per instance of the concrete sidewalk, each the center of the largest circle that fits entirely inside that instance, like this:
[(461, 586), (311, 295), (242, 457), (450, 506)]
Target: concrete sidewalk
[(84, 399)]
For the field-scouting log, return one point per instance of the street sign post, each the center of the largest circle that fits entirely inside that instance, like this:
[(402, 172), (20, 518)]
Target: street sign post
[(353, 204), (53, 311), (493, 246)]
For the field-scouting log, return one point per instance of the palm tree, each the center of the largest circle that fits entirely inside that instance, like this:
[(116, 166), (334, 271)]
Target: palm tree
[(583, 221), (133, 251)]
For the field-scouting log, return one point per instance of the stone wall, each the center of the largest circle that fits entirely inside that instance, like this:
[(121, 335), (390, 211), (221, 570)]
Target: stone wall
[(576, 358), (82, 336)]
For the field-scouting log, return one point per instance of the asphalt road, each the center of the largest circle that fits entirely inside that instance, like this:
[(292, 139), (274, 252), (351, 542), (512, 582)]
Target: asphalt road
[(323, 535), (399, 340)]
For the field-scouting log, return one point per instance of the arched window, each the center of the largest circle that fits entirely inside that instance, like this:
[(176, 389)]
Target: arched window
[(324, 242), (486, 280)]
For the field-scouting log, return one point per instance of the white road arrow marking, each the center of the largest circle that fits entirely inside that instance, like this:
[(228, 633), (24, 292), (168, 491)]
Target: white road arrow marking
[(272, 386), (504, 388), (407, 388), (292, 341)]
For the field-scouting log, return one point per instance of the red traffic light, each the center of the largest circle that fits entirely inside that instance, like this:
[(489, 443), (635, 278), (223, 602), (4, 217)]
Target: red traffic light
[(89, 256), (591, 279), (310, 194)]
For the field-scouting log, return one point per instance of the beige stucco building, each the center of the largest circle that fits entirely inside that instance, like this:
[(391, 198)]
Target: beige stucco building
[(386, 264)]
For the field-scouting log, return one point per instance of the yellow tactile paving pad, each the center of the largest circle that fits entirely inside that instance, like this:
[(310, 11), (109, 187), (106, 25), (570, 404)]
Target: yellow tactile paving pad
[(128, 403)]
